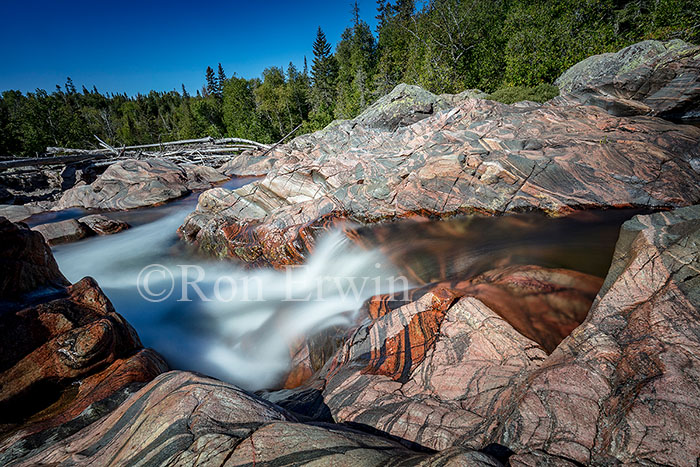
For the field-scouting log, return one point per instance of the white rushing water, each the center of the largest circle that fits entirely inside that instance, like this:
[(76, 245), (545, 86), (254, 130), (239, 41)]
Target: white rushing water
[(216, 317)]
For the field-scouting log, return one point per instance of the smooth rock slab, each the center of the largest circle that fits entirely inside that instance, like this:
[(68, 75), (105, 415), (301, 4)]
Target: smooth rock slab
[(138, 183), (66, 231), (184, 419)]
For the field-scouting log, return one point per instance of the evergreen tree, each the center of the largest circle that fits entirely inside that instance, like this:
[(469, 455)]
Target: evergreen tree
[(211, 85), (70, 87), (356, 58), (323, 76), (220, 81)]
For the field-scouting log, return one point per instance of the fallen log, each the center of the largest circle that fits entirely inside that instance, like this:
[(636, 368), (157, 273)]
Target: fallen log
[(241, 140), (106, 146), (54, 160), (269, 150), (54, 150)]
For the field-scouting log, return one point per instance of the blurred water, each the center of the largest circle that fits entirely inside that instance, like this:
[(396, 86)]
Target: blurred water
[(235, 324)]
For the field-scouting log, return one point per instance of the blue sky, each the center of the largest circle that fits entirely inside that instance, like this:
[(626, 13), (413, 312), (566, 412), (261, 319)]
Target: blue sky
[(135, 46)]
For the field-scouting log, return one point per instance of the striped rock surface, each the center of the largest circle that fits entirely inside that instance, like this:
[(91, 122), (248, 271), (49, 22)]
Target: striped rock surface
[(612, 391), (138, 183), (63, 348), (648, 78), (480, 156), (184, 419)]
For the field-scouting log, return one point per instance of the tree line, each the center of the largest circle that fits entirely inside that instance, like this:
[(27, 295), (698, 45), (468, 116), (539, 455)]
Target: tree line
[(443, 46)]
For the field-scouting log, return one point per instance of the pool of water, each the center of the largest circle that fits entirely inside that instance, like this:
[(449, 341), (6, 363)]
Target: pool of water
[(238, 324)]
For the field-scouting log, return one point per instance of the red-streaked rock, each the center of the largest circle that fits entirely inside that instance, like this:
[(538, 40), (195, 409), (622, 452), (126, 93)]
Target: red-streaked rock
[(610, 392), (65, 354), (184, 419), (481, 156), (628, 376)]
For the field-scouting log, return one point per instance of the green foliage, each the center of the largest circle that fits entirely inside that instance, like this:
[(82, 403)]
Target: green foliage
[(513, 94), (356, 55), (511, 48), (324, 75)]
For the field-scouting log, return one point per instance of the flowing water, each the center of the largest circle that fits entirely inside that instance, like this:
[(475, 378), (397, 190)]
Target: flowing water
[(237, 324), (217, 317)]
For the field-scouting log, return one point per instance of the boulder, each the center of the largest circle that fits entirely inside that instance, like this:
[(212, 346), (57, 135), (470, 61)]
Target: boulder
[(138, 183), (69, 230), (404, 105), (103, 225), (65, 355), (26, 263), (481, 156), (647, 78), (445, 371)]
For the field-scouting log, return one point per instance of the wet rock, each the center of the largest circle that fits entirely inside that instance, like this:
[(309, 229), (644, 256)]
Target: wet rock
[(647, 78), (16, 212), (446, 371), (26, 263), (63, 348), (102, 225), (481, 156), (137, 183), (66, 231), (183, 419)]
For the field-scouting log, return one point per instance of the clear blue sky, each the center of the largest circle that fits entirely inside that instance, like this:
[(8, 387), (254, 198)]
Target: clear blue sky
[(135, 46)]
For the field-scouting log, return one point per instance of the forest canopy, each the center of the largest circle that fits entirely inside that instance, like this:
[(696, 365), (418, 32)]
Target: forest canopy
[(504, 47)]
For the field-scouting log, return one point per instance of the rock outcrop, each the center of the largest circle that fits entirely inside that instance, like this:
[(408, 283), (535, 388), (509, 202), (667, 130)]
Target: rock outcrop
[(444, 371), (481, 156), (63, 348), (103, 225), (184, 419), (69, 230), (647, 78), (138, 183)]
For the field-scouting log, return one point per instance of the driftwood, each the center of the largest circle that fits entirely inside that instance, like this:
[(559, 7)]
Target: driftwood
[(56, 160), (242, 140), (106, 146), (269, 150), (203, 151)]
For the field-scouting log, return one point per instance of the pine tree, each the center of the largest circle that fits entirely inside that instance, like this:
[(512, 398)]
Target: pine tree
[(323, 75), (211, 86), (220, 81), (70, 87), (356, 55)]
